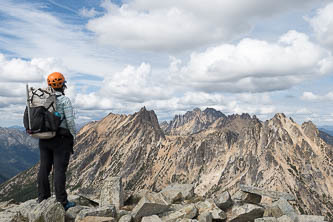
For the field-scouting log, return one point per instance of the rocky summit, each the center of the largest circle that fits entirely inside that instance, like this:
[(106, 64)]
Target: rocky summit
[(176, 202), (213, 152)]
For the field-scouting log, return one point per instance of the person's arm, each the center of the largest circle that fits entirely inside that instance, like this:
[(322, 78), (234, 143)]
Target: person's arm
[(69, 116)]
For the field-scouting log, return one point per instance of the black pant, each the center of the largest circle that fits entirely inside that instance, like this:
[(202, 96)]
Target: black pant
[(56, 152)]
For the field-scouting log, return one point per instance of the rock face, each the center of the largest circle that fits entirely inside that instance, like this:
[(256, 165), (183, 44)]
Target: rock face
[(191, 122), (277, 155)]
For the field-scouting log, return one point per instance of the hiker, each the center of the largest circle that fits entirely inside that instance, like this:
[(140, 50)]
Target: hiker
[(57, 150)]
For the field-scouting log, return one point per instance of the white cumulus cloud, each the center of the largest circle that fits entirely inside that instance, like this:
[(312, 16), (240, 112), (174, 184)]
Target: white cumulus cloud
[(322, 24), (310, 96), (182, 24), (254, 65)]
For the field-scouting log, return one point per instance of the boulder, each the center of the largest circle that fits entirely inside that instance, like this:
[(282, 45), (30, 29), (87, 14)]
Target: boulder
[(205, 217), (246, 212), (97, 219), (223, 200), (8, 216), (285, 207), (266, 219), (48, 211), (150, 204), (134, 198), (153, 218), (273, 194), (108, 211), (72, 212), (209, 205), (27, 207), (309, 218), (285, 218), (274, 211), (189, 212), (245, 197), (112, 192), (173, 190), (121, 213), (126, 218)]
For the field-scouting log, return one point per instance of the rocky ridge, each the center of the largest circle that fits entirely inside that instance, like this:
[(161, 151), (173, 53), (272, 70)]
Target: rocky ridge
[(176, 202), (278, 155), (191, 122)]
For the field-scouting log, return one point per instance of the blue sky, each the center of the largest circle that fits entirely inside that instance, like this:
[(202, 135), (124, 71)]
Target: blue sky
[(259, 57)]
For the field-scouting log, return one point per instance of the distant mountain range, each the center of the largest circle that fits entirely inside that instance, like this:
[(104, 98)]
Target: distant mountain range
[(18, 152), (206, 148), (327, 129)]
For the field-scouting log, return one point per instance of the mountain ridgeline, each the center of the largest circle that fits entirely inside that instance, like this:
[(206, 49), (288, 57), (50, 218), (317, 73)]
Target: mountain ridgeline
[(206, 148), (18, 152)]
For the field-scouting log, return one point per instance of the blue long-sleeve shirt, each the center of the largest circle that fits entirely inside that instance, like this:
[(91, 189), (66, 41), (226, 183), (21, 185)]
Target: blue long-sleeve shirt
[(65, 108)]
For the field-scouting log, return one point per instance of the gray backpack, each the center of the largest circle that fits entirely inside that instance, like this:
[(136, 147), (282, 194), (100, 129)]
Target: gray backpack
[(40, 117)]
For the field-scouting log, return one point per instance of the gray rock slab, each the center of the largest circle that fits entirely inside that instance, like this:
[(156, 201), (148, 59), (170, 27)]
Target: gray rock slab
[(266, 219), (205, 217), (285, 207), (246, 212), (245, 197), (112, 192), (187, 190), (223, 200), (209, 205), (135, 197), (126, 218), (25, 208), (273, 194), (150, 204), (107, 211), (285, 218), (189, 212), (309, 218), (121, 213), (72, 212), (8, 216), (153, 218), (273, 211), (172, 196), (98, 219), (48, 211)]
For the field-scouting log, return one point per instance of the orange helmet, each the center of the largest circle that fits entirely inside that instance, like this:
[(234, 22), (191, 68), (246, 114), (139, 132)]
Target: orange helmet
[(56, 80)]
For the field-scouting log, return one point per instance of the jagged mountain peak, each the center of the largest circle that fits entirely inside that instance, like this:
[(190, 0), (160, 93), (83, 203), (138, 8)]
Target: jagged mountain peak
[(310, 129), (192, 121)]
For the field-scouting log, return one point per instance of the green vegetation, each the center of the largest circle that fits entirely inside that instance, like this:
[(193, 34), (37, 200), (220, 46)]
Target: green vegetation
[(21, 193)]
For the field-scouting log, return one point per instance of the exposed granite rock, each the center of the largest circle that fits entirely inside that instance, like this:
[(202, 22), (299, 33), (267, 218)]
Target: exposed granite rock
[(48, 211), (149, 205), (106, 211), (112, 192), (245, 197), (188, 212), (223, 200), (246, 212), (273, 194), (153, 218)]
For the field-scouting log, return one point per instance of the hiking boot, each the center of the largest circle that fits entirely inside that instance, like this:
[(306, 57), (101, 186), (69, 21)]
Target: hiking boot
[(69, 205)]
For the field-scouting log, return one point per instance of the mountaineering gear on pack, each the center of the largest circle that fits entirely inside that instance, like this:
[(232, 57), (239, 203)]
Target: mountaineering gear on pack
[(39, 118), (56, 80)]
